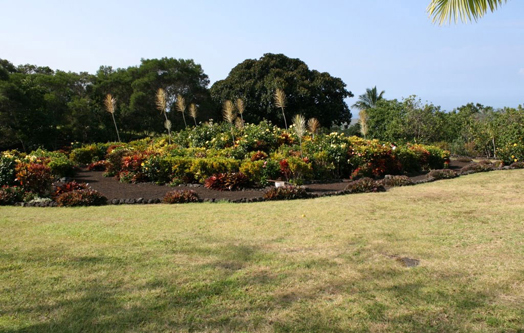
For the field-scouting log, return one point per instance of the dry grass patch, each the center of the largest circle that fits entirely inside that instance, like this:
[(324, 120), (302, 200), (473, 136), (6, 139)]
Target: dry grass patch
[(320, 265)]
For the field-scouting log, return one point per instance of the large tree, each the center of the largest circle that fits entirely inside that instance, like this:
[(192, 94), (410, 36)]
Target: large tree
[(308, 92), (465, 10), (369, 99)]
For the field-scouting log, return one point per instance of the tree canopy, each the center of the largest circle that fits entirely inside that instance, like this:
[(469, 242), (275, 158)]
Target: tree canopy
[(308, 92), (465, 10)]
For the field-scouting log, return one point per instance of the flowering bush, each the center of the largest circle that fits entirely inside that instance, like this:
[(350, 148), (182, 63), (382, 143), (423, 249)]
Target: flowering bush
[(511, 153), (34, 177), (97, 166), (69, 187), (227, 181), (85, 197), (285, 193), (364, 185), (181, 196), (10, 195)]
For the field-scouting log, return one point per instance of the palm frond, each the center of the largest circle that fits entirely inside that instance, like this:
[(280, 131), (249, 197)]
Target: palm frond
[(465, 10)]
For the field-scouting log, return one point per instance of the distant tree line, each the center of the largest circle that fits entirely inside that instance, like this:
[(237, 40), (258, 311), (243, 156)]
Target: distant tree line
[(42, 107)]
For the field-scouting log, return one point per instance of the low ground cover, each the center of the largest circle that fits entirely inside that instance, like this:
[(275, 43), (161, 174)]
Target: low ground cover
[(332, 264)]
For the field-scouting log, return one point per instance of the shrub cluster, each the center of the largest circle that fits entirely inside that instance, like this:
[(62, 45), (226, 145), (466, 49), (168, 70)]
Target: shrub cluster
[(442, 174), (391, 181), (365, 185), (97, 166), (10, 195), (286, 193), (83, 197), (230, 181), (181, 196), (34, 177), (68, 187)]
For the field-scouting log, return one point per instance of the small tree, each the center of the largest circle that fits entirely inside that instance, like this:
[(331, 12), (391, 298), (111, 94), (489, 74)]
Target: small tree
[(110, 104)]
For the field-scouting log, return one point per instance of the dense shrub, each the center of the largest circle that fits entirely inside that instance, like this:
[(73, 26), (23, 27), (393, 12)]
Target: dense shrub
[(364, 185), (7, 170), (203, 168), (114, 161), (85, 197), (34, 177), (97, 166), (87, 154), (69, 187), (10, 195), (391, 181), (517, 165), (477, 167), (285, 193), (260, 172), (442, 174), (181, 196), (227, 181), (62, 167)]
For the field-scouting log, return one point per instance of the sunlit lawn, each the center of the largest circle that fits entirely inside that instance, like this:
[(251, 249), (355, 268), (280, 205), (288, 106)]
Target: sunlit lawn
[(320, 265)]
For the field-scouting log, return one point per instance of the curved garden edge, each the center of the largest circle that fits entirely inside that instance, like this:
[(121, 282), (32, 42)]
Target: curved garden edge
[(244, 196)]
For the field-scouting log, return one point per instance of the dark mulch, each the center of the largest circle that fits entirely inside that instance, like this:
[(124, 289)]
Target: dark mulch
[(113, 189)]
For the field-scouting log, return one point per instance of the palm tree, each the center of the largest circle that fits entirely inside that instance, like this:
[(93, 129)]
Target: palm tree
[(465, 10), (369, 99)]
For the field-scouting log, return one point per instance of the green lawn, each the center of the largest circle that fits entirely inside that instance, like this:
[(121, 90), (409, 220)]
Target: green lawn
[(319, 265)]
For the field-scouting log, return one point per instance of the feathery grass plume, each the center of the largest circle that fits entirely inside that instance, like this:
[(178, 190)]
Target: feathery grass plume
[(280, 102), (181, 106), (228, 112), (241, 107), (193, 112), (363, 123), (110, 104), (313, 125), (299, 125), (161, 104), (239, 123)]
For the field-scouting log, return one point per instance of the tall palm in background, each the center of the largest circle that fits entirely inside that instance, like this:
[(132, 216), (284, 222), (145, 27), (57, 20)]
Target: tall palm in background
[(369, 99), (465, 10)]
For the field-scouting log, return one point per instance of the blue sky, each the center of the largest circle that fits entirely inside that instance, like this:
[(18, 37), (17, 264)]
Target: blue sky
[(388, 43)]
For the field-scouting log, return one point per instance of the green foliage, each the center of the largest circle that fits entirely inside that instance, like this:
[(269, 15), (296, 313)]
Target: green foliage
[(230, 181), (308, 92), (203, 168), (62, 167), (10, 195), (7, 169), (180, 196), (88, 154), (261, 171), (286, 193), (84, 197)]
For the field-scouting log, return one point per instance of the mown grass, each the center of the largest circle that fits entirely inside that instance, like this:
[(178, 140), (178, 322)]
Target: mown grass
[(322, 265)]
